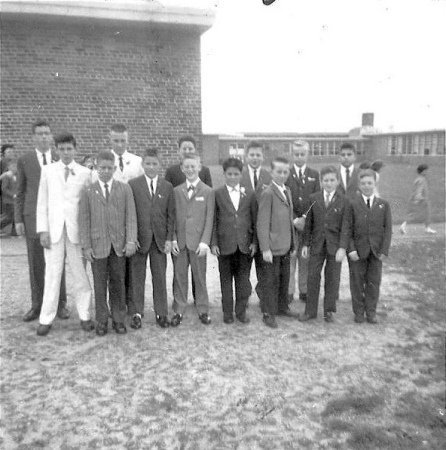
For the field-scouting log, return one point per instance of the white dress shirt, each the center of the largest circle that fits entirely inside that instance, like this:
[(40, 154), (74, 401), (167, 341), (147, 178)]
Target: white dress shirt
[(154, 182), (330, 196), (301, 169), (48, 157), (251, 175), (234, 193), (344, 173), (372, 198), (102, 184), (132, 167), (194, 184)]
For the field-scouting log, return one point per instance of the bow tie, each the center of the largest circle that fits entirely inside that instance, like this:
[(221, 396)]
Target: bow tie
[(190, 188)]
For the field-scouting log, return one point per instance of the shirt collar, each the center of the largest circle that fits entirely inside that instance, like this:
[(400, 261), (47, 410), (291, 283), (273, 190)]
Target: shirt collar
[(372, 198), (343, 168), (303, 168), (109, 184), (251, 170), (148, 179), (230, 189), (281, 188), (47, 154), (194, 184), (124, 155), (330, 194)]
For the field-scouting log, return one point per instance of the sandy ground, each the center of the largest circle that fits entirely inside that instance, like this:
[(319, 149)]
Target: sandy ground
[(218, 387)]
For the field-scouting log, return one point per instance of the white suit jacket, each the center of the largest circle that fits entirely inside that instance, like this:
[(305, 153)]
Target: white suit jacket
[(132, 167), (58, 200)]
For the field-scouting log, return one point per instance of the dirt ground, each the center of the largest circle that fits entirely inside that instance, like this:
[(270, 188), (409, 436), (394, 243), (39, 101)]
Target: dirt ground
[(305, 385)]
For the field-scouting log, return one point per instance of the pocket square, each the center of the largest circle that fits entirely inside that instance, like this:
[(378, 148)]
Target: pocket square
[(311, 179), (199, 199)]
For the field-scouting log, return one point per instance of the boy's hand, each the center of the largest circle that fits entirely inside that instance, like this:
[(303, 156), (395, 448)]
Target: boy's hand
[(129, 249), (340, 255), (175, 248), (382, 257), (299, 223), (45, 240), (354, 256), (268, 256), (215, 250), (305, 252), (167, 247), (202, 249), (88, 254), (20, 228), (253, 248)]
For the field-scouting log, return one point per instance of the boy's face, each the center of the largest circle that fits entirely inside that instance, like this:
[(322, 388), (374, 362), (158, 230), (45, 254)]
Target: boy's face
[(105, 169), (367, 185), (119, 141), (232, 176), (187, 148), (347, 157), (300, 156), (12, 166), (254, 157), (151, 166), (42, 138), (66, 151), (280, 173), (9, 153), (190, 168), (329, 182)]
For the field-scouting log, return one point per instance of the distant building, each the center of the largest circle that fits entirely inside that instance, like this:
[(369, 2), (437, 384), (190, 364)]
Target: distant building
[(369, 142)]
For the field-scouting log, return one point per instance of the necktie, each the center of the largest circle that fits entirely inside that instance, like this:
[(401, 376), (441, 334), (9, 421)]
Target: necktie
[(256, 180), (121, 163), (152, 193), (107, 192), (285, 193), (44, 159), (300, 175), (190, 190), (347, 176), (368, 203), (66, 173), (327, 199)]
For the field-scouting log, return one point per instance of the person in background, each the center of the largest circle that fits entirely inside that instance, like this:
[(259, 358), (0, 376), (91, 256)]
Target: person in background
[(348, 173), (89, 161), (9, 193)]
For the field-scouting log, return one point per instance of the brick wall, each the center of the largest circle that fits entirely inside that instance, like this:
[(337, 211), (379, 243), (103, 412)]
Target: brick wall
[(84, 76)]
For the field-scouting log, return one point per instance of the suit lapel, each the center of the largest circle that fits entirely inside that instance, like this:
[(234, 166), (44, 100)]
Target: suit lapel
[(227, 198), (278, 193), (98, 192)]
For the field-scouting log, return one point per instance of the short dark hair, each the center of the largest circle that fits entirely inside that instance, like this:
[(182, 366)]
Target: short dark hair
[(5, 147), (329, 169), (105, 156), (367, 173), (347, 146), (254, 144), (187, 138), (279, 159), (118, 128), (232, 162), (421, 168), (40, 123), (64, 138), (151, 152)]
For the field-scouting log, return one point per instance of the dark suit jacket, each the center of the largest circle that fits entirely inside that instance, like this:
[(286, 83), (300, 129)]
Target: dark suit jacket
[(352, 189), (330, 226), (301, 190), (371, 228), (104, 224), (194, 216), (156, 217), (175, 176), (263, 181), (275, 230), (28, 180), (234, 229)]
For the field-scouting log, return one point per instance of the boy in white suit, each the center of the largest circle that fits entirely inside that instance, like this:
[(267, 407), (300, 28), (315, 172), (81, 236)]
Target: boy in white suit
[(60, 189)]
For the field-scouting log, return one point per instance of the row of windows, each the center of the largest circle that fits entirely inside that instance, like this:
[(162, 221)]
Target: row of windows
[(416, 144)]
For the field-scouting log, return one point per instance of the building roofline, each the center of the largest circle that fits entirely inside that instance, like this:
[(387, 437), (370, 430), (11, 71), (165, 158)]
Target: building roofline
[(398, 133)]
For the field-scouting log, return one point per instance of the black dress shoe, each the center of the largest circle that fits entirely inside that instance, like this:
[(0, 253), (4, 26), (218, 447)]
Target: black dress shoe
[(328, 317), (359, 318), (303, 297), (205, 319), (119, 327), (101, 329), (306, 317), (242, 318), (162, 321), (135, 322), (63, 313), (87, 325), (372, 318), (43, 330), (228, 318), (176, 320), (288, 313), (270, 321), (31, 315)]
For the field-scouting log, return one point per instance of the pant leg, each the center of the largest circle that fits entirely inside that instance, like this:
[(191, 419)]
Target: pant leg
[(271, 272), (357, 284), (332, 281), (243, 288), (284, 281), (372, 283), (99, 267), (63, 290), (36, 266), (7, 216), (180, 281), (293, 265), (127, 281), (138, 270), (198, 268), (158, 266), (303, 265), (116, 283), (259, 263), (81, 283), (315, 265), (226, 277)]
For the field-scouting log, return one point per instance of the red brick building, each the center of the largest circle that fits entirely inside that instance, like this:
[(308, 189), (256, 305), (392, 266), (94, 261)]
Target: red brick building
[(84, 66)]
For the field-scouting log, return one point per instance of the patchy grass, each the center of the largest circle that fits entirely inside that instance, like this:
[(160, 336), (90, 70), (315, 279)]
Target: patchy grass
[(355, 404)]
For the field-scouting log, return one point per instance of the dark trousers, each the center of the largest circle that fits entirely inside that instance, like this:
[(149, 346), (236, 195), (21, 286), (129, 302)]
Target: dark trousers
[(7, 217), (138, 270), (275, 280), (258, 261), (109, 272), (365, 280), (332, 276), (235, 267), (127, 282), (36, 265)]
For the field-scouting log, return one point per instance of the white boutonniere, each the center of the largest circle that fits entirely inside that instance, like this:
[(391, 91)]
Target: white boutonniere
[(160, 196), (242, 191), (381, 206)]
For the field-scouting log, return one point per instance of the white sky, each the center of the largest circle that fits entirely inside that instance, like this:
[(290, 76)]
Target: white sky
[(317, 65)]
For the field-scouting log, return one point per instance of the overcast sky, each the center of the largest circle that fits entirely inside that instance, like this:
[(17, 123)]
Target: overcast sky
[(316, 65)]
